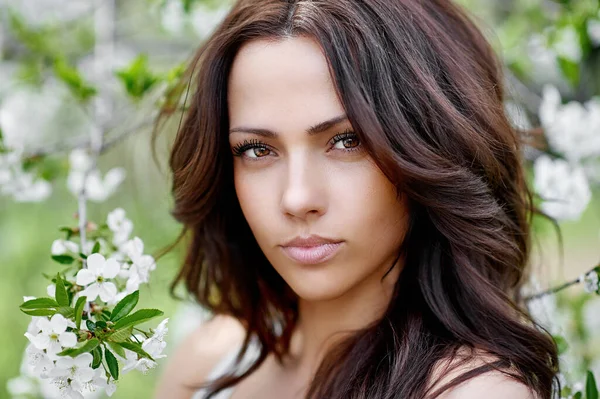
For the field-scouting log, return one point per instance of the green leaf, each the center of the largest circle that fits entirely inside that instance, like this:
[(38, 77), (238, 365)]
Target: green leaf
[(62, 296), (40, 303), (73, 79), (97, 360), (578, 395), (121, 335), (561, 344), (66, 311), (89, 346), (100, 324), (39, 312), (591, 389), (137, 348), (125, 306), (570, 70), (117, 349), (96, 248), (90, 325), (136, 318), (137, 78), (103, 316), (79, 310), (63, 259), (113, 365)]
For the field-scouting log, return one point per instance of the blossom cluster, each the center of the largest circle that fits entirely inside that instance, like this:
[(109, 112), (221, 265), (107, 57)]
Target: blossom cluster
[(85, 334), (573, 132)]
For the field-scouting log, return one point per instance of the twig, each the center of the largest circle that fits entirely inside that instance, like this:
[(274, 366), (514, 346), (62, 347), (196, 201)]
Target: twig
[(104, 27), (84, 142), (561, 287)]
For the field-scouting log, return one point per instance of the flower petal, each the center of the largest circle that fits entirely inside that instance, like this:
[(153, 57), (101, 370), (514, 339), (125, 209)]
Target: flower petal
[(85, 374), (40, 341), (95, 263), (58, 372), (107, 291), (59, 323), (53, 348), (58, 248), (44, 325), (65, 362), (111, 269), (83, 360), (91, 292), (67, 339), (85, 277)]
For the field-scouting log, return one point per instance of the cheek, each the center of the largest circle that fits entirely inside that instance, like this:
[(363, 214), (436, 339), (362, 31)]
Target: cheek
[(255, 196), (376, 216)]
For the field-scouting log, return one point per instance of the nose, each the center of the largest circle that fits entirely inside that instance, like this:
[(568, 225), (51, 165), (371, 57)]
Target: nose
[(304, 190)]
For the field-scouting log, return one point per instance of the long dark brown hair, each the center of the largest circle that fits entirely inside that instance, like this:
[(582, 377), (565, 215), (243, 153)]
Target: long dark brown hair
[(423, 90)]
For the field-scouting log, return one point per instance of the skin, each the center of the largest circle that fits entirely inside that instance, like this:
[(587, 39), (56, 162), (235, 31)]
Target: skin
[(297, 184)]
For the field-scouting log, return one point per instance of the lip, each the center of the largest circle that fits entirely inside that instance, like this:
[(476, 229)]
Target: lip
[(311, 250)]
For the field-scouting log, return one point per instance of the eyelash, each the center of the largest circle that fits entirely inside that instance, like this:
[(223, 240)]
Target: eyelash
[(239, 149)]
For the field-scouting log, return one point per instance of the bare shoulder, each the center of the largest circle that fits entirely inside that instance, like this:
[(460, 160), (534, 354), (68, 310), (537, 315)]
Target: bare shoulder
[(490, 385), (192, 361)]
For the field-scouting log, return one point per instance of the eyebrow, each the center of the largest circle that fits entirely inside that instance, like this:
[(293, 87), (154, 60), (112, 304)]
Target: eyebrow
[(311, 131)]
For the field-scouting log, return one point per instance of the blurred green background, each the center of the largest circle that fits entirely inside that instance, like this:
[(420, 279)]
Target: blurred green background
[(168, 32)]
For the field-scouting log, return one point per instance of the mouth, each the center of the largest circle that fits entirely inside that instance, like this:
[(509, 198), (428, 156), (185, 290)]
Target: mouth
[(311, 250)]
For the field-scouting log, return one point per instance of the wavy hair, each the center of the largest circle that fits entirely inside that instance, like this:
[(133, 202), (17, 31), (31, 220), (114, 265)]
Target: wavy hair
[(423, 90)]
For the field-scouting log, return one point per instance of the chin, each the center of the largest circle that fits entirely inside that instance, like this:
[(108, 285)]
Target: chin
[(319, 287)]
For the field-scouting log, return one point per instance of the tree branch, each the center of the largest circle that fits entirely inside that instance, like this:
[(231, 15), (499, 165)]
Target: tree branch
[(561, 287)]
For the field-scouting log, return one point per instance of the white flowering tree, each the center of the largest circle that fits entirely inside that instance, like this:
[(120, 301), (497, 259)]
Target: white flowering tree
[(70, 61), (76, 80)]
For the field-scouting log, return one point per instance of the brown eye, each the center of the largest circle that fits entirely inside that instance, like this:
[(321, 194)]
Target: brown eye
[(346, 141), (260, 152), (251, 149), (350, 143)]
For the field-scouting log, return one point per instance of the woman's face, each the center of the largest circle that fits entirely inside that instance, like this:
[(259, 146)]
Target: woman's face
[(301, 174)]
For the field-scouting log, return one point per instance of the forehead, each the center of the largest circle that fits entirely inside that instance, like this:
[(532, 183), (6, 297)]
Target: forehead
[(284, 85)]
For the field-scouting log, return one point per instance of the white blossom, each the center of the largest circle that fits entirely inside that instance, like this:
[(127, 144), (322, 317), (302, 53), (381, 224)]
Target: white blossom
[(591, 315), (53, 336), (97, 188), (22, 386), (563, 187), (161, 330), (593, 30), (572, 129), (68, 388), (38, 363), (95, 277), (77, 368), (590, 281), (61, 247), (100, 381), (173, 17), (15, 182), (153, 347), (567, 44), (25, 187), (139, 271), (205, 19), (120, 226)]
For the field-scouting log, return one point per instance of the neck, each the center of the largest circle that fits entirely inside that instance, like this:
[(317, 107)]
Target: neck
[(322, 324)]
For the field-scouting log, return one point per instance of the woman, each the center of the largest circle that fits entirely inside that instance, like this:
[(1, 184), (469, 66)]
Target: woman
[(358, 215)]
